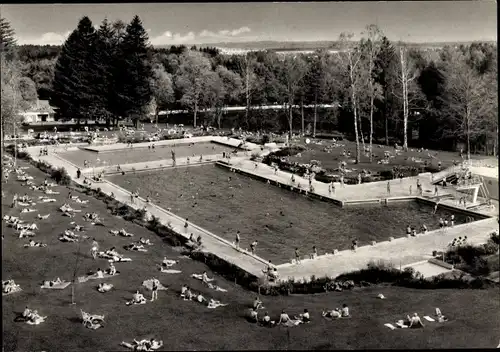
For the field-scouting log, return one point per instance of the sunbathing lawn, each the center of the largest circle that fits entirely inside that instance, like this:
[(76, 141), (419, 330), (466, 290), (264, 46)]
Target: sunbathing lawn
[(137, 155), (279, 220), (330, 161), (187, 325)]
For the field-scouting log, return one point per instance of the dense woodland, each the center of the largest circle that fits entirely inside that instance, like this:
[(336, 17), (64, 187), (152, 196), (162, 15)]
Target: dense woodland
[(384, 90)]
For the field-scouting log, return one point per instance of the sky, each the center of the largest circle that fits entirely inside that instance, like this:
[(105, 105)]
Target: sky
[(191, 23)]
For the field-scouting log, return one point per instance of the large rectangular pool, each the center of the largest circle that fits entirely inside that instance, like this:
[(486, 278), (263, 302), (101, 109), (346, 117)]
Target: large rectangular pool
[(224, 202), (137, 155)]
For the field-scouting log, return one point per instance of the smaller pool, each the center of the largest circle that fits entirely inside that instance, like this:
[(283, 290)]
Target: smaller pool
[(129, 156)]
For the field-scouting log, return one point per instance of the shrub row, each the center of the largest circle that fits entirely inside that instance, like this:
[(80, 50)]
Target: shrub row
[(471, 258), (60, 175), (137, 216)]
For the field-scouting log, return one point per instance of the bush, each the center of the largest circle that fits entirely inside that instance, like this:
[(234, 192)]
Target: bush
[(288, 151), (387, 174), (227, 270), (61, 176)]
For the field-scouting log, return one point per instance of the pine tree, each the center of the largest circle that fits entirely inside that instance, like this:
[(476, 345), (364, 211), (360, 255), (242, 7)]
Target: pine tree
[(133, 73), (8, 40), (104, 64), (73, 92)]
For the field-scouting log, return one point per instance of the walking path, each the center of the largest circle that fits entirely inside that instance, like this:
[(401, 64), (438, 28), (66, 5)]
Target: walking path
[(347, 193), (401, 251)]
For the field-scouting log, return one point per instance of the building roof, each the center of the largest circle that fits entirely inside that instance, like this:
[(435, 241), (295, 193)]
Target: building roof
[(41, 106)]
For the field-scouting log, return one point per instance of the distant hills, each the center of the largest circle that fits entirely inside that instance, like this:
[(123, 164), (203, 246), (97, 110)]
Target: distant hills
[(305, 45)]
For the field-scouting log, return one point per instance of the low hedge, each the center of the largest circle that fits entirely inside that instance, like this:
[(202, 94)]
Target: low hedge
[(60, 175), (229, 271), (137, 216), (471, 258)]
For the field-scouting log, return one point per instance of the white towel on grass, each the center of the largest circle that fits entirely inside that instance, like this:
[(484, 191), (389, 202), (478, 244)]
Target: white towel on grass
[(428, 318), (390, 326)]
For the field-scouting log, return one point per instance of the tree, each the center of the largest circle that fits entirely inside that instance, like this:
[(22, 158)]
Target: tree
[(350, 57), (406, 76), (386, 67), (294, 70), (73, 94), (471, 98), (104, 63), (225, 87), (191, 79), (372, 47), (7, 37), (27, 91), (133, 72), (10, 95), (317, 80), (247, 68), (162, 89)]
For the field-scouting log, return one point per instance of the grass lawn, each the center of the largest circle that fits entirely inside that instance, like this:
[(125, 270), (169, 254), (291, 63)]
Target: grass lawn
[(280, 220), (189, 326), (136, 155), (330, 161)]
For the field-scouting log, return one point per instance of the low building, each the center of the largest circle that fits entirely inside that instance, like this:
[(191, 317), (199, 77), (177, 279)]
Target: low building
[(39, 112)]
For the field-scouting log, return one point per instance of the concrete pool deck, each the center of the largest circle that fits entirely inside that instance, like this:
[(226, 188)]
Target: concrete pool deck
[(231, 142), (401, 251)]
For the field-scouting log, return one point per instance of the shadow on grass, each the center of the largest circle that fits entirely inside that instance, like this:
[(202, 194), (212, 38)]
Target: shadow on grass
[(75, 320)]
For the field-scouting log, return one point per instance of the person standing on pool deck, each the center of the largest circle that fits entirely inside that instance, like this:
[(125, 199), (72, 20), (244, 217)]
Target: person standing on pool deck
[(237, 240), (388, 187), (297, 256), (253, 245), (186, 225), (173, 157), (359, 178)]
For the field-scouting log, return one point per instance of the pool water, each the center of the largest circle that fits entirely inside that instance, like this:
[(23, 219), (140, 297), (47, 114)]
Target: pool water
[(279, 220), (137, 155)]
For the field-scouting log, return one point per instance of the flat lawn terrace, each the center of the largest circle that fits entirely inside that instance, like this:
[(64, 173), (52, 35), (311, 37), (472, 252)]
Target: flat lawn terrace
[(278, 219), (136, 155), (330, 156)]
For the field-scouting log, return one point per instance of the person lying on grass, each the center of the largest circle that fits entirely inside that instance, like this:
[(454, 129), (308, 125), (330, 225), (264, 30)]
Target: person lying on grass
[(143, 345), (345, 311), (135, 247), (52, 282), (104, 287), (168, 262), (34, 318), (145, 241), (254, 316), (9, 286), (415, 321), (304, 317), (137, 298), (440, 316), (32, 243), (257, 304), (335, 313), (111, 270), (285, 320)]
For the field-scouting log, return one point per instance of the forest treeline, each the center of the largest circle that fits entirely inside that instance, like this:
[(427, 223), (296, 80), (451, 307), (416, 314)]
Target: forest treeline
[(383, 90)]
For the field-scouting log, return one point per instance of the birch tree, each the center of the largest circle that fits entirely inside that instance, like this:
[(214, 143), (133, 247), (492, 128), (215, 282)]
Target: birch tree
[(350, 57), (249, 78), (294, 70), (406, 77), (372, 47), (471, 100)]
